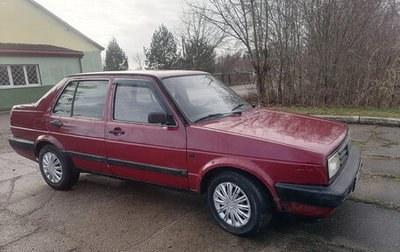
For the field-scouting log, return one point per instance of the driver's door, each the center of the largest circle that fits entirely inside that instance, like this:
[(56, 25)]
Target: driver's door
[(137, 149)]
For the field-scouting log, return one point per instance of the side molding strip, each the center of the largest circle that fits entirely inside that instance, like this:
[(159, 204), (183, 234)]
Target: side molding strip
[(133, 165), (85, 156), (183, 189), (146, 167)]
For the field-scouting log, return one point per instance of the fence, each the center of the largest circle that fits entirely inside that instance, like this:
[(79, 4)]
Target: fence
[(233, 79)]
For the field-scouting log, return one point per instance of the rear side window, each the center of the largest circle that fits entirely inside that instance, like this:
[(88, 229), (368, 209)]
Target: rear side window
[(83, 99), (89, 99), (64, 103)]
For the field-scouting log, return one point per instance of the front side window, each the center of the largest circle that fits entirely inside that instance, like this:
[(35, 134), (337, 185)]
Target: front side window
[(202, 97), (83, 99), (135, 100), (19, 75)]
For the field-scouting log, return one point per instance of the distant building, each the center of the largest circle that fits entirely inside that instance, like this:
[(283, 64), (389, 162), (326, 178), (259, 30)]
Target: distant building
[(37, 50)]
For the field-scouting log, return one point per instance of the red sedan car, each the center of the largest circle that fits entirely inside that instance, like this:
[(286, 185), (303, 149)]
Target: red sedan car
[(185, 129)]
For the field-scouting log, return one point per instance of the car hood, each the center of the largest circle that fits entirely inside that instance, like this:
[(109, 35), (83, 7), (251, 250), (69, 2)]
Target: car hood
[(300, 131)]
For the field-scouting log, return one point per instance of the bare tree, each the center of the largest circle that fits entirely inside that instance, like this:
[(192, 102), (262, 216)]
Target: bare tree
[(249, 23), (138, 59), (350, 46), (287, 28), (199, 39), (195, 26), (234, 69), (317, 52)]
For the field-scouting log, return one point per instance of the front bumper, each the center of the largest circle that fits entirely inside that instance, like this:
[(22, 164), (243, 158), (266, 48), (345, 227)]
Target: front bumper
[(330, 196)]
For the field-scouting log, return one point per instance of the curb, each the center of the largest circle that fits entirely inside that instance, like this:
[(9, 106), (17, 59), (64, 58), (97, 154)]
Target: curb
[(391, 122)]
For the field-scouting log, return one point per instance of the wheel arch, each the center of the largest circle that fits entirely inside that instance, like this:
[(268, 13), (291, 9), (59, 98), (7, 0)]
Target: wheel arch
[(44, 140), (211, 173)]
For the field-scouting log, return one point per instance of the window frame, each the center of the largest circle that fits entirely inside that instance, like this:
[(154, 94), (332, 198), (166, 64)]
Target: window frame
[(27, 84), (73, 99), (157, 93)]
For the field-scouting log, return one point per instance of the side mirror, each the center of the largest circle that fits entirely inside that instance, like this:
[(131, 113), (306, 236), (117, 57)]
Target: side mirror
[(157, 117)]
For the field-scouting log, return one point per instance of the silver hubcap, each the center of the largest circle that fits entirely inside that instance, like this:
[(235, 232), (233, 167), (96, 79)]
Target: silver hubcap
[(52, 167), (232, 204)]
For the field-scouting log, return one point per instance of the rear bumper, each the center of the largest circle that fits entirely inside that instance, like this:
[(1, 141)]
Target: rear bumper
[(21, 144), (24, 147), (330, 196)]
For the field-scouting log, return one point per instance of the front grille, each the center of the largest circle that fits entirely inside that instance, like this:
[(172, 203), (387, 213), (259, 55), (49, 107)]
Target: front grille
[(343, 151)]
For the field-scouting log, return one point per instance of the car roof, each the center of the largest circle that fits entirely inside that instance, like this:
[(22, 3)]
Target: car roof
[(154, 73)]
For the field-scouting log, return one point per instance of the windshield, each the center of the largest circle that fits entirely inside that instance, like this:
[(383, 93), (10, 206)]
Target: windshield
[(203, 97)]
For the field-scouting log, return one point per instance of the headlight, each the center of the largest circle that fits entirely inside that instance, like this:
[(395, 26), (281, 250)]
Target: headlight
[(333, 165)]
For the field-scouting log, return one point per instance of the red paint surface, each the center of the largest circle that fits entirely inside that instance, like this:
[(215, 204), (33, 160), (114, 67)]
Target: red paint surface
[(273, 146), (306, 210)]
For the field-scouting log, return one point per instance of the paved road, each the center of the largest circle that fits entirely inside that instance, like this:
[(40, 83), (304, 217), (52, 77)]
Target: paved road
[(103, 214), (244, 90)]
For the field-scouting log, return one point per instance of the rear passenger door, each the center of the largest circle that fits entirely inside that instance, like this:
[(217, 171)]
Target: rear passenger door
[(138, 149), (77, 122)]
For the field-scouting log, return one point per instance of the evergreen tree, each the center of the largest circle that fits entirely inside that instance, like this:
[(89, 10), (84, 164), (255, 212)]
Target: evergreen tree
[(162, 53), (199, 41), (198, 55), (116, 59)]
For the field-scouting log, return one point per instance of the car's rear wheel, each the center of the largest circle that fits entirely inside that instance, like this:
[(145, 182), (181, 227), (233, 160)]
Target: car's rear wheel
[(57, 169), (239, 203)]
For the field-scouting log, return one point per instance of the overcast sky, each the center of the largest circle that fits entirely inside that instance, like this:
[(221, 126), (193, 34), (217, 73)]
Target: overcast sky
[(131, 22)]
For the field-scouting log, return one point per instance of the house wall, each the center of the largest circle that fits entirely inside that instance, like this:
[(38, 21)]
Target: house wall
[(52, 70), (11, 97), (91, 62), (24, 23)]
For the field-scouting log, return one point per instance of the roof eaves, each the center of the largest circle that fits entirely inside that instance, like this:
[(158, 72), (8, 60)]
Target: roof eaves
[(65, 24), (40, 53)]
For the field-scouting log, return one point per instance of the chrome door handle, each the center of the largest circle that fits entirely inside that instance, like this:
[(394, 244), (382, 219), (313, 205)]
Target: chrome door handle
[(116, 132)]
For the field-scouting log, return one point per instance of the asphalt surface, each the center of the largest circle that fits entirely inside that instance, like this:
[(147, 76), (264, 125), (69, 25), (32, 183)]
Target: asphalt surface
[(103, 214), (244, 89)]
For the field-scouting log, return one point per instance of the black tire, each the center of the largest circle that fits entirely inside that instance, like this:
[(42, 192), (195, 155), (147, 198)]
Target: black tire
[(259, 200), (69, 176)]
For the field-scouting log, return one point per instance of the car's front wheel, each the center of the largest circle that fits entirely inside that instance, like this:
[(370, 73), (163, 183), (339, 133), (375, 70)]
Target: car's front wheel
[(57, 169), (239, 203)]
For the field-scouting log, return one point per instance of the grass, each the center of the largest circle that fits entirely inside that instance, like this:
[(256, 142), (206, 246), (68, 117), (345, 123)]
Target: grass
[(344, 111), (393, 177), (359, 144), (380, 157), (387, 205)]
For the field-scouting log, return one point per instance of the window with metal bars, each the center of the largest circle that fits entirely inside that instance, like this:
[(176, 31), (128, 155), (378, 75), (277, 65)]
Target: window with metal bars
[(19, 75)]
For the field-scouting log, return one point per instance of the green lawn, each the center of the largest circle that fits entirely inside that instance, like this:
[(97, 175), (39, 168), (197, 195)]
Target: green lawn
[(372, 112)]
